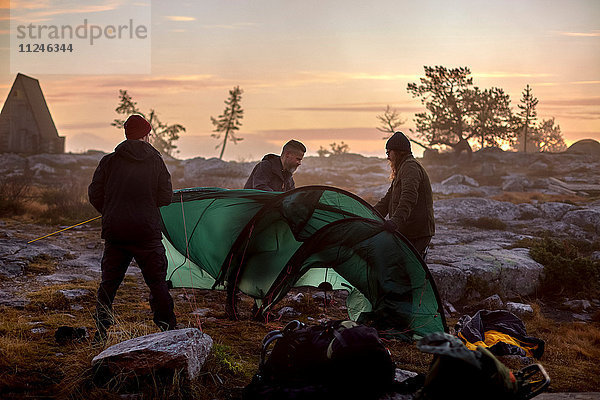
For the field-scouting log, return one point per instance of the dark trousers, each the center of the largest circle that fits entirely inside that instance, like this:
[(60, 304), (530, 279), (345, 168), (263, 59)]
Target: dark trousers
[(421, 244), (151, 259)]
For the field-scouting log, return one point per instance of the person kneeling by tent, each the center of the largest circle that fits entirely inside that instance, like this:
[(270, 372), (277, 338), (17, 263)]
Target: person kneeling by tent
[(128, 187)]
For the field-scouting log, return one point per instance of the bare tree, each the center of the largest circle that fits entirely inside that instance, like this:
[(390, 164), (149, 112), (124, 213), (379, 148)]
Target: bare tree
[(230, 120), (390, 120)]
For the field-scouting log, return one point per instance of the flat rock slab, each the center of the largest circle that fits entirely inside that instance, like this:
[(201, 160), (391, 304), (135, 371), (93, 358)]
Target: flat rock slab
[(457, 254), (185, 349)]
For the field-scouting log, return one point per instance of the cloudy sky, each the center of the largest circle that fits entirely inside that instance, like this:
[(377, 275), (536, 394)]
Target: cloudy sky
[(317, 71)]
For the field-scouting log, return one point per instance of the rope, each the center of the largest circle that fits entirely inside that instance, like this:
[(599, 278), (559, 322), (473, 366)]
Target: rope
[(62, 230), (188, 297)]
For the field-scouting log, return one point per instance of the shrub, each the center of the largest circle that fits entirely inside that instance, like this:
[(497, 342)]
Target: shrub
[(485, 223), (13, 191), (565, 269), (67, 204), (225, 359), (527, 215)]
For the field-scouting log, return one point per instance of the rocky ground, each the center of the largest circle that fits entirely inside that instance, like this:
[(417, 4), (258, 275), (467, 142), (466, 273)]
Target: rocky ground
[(518, 194), (515, 189)]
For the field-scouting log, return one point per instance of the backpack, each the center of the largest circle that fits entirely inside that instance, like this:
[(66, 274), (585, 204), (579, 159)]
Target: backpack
[(457, 372), (326, 361)]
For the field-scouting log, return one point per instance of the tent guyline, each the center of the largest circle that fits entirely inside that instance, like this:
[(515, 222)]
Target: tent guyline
[(265, 243)]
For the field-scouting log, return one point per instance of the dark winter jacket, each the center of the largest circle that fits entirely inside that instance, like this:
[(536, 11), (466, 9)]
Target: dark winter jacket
[(269, 175), (409, 201), (127, 188)]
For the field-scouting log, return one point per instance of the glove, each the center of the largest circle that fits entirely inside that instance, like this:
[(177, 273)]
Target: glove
[(390, 225)]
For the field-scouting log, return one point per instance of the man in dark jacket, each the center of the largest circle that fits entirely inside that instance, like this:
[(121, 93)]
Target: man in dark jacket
[(408, 201), (274, 173), (127, 188)]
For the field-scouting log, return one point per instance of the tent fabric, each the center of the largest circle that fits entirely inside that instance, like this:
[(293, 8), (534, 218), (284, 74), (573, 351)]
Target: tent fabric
[(264, 243), (502, 332)]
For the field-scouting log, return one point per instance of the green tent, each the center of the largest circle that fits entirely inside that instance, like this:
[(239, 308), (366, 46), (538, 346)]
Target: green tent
[(264, 243)]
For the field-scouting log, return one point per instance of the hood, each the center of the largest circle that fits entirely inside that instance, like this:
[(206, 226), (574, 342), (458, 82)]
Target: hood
[(276, 165), (136, 150), (272, 158)]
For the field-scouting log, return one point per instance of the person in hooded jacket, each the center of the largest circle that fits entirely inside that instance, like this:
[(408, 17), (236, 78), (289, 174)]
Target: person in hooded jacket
[(128, 187), (274, 173), (409, 200)]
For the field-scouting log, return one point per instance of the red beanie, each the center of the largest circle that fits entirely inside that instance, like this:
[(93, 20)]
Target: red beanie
[(136, 127)]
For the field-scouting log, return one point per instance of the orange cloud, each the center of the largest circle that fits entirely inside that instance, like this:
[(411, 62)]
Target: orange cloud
[(510, 75), (234, 26), (179, 18), (356, 108), (594, 33), (355, 134), (585, 101), (48, 9), (568, 83)]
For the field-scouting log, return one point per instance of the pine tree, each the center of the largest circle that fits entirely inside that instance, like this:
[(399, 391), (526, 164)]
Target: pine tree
[(447, 97), (549, 137), (230, 120), (492, 119), (527, 115)]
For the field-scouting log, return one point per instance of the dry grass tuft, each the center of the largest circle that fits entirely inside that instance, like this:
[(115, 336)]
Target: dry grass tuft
[(528, 197), (50, 297), (490, 223), (42, 264), (571, 353)]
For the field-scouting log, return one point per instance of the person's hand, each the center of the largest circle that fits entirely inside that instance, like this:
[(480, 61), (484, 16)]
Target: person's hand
[(390, 225)]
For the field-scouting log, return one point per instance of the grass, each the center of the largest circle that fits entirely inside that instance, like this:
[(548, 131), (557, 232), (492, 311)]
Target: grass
[(42, 264), (35, 365), (571, 354), (65, 205), (528, 197), (50, 297)]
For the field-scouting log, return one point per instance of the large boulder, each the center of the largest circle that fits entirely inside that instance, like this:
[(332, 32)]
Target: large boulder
[(585, 146), (459, 257), (515, 184), (185, 349), (587, 219), (554, 210)]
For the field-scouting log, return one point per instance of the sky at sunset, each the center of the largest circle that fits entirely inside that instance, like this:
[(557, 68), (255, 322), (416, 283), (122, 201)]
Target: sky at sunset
[(316, 71)]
